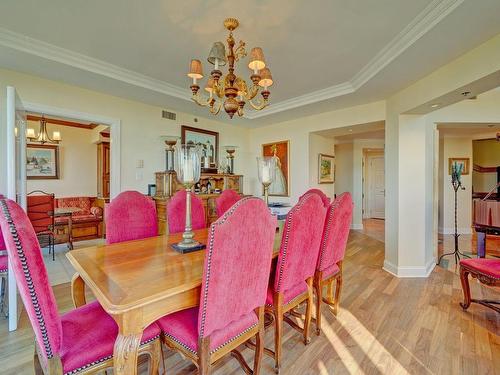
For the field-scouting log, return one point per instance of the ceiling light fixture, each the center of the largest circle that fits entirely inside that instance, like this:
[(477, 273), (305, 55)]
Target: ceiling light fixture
[(231, 86), (435, 105), (466, 93), (43, 135)]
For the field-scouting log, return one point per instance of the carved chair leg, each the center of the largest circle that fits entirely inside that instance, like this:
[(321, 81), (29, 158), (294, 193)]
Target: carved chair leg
[(338, 290), (78, 291), (259, 343), (318, 286), (204, 356), (278, 330), (155, 354), (309, 304), (464, 279)]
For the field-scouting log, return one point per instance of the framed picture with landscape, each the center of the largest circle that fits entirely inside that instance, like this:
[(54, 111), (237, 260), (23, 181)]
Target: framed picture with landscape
[(42, 162), (326, 169), (280, 151), (208, 141)]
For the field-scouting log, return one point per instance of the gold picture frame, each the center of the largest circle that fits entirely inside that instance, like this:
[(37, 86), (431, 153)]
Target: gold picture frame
[(281, 150), (326, 169), (464, 161)]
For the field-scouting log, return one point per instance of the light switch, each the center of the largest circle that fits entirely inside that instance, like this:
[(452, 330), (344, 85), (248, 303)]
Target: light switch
[(138, 175)]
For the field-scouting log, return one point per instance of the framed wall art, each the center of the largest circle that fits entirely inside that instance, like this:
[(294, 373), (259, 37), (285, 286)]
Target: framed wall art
[(42, 162), (281, 152), (326, 169), (208, 141)]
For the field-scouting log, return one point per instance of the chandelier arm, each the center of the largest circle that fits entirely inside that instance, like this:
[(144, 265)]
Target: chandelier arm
[(196, 99), (252, 93), (260, 105), (215, 112)]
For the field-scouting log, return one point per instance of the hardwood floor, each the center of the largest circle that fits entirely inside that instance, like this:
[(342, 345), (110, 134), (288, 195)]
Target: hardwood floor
[(385, 326)]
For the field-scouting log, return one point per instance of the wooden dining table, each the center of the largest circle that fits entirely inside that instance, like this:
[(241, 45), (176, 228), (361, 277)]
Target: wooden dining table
[(138, 282)]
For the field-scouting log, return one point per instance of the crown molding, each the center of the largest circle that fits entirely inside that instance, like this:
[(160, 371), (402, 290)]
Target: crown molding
[(65, 56), (432, 14)]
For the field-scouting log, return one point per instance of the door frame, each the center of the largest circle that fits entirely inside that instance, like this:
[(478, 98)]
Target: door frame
[(115, 137), (367, 153)]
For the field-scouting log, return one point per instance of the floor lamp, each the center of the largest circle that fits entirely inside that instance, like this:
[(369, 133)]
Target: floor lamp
[(456, 182)]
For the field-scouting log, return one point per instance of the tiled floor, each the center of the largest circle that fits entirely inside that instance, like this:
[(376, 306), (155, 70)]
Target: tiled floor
[(60, 270)]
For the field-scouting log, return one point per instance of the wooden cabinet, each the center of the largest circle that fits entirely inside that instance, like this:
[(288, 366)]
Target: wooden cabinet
[(103, 168), (167, 185)]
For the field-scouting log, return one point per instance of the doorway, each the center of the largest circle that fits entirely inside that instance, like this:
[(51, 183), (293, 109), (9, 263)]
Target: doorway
[(374, 184)]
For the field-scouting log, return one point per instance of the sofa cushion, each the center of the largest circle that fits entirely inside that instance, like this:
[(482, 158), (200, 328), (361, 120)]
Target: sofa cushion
[(84, 203)]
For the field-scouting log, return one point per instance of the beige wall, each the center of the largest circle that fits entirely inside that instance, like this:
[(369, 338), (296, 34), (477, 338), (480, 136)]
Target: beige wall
[(77, 164), (455, 148), (141, 126), (319, 144), (344, 168), (486, 154)]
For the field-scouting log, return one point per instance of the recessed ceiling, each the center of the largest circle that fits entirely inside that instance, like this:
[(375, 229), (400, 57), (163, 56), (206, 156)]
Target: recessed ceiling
[(468, 129), (327, 55), (370, 130)]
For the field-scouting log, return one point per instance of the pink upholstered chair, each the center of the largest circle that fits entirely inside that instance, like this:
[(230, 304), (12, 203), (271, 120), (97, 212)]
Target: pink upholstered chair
[(323, 196), (4, 268), (332, 251), (81, 339), (225, 201), (235, 277), (176, 213), (487, 271), (293, 279), (130, 216)]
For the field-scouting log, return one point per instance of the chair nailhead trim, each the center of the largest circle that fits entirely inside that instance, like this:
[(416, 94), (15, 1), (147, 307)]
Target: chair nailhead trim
[(327, 234), (221, 221), (84, 367), (28, 278), (179, 342), (289, 220), (476, 272)]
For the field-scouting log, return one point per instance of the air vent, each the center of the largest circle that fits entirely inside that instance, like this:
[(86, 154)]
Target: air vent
[(168, 115)]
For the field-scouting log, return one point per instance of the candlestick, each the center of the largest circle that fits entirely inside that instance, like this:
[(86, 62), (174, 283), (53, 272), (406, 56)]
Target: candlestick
[(266, 167), (188, 169)]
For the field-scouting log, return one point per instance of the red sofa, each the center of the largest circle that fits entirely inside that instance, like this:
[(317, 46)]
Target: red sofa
[(86, 223)]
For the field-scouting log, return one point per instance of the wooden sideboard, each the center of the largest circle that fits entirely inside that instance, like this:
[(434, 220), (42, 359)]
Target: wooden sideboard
[(167, 185)]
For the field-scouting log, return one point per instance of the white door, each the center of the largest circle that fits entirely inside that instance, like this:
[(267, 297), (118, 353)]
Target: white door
[(376, 187), (16, 177)]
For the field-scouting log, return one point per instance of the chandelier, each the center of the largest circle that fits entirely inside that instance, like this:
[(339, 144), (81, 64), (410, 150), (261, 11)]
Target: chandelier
[(230, 90), (43, 135)]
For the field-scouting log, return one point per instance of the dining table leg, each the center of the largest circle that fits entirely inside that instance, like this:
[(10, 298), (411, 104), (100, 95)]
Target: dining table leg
[(70, 230), (126, 345)]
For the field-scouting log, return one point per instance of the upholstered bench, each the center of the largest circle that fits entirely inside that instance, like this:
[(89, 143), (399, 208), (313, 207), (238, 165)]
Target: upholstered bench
[(86, 223), (487, 271)]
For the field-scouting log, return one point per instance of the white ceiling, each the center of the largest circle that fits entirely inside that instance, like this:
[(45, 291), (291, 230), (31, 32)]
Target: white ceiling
[(326, 55), (346, 134), (476, 130)]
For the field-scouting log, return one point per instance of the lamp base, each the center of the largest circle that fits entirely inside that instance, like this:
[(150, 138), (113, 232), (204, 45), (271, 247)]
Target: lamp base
[(185, 247)]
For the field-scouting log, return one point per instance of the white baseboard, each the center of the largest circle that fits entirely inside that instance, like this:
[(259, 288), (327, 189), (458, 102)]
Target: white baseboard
[(452, 230), (357, 226), (409, 271)]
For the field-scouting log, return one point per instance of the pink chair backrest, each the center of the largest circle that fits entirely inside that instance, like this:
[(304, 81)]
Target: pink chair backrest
[(237, 265), (225, 201), (335, 232), (176, 213), (130, 216), (300, 243), (31, 277), (323, 196)]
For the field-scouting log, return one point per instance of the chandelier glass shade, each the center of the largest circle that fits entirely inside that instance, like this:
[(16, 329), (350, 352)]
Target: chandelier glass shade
[(43, 135), (230, 91)]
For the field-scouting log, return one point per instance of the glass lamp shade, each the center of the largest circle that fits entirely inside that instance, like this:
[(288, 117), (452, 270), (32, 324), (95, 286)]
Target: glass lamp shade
[(187, 164), (266, 79), (30, 133), (257, 61), (266, 168), (56, 136), (230, 148), (218, 52), (195, 69)]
